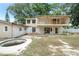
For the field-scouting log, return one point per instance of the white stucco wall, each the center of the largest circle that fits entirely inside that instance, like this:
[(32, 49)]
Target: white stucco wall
[(3, 33), (61, 29), (38, 30), (13, 31), (29, 30), (16, 31)]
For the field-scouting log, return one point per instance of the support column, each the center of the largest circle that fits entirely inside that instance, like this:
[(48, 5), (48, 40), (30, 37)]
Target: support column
[(52, 30)]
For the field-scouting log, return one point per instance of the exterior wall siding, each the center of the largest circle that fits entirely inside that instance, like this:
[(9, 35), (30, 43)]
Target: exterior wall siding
[(42, 22), (13, 31), (17, 32), (29, 30), (39, 30), (60, 30), (5, 34)]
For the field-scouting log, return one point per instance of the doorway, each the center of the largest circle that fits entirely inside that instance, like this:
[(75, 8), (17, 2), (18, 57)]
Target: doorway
[(56, 30), (47, 30)]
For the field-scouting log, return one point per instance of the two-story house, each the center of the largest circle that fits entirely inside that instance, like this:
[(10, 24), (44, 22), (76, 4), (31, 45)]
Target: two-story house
[(38, 25), (47, 24)]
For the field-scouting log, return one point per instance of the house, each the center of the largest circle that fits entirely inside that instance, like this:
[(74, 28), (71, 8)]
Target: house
[(9, 30), (37, 25), (47, 24)]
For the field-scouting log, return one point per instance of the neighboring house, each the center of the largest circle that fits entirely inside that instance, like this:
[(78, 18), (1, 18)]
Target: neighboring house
[(9, 30), (47, 24)]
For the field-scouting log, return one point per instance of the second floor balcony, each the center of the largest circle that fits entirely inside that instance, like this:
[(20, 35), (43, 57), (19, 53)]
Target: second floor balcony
[(57, 21), (53, 21)]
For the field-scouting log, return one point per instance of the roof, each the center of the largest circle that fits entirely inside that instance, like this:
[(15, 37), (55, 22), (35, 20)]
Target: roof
[(54, 16), (5, 22), (51, 16)]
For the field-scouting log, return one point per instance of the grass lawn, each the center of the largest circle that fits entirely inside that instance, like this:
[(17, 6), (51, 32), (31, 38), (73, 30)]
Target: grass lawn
[(40, 47)]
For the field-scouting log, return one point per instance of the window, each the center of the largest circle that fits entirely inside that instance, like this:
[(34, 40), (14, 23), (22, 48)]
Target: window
[(33, 29), (20, 29), (33, 21), (6, 29), (54, 19), (28, 21)]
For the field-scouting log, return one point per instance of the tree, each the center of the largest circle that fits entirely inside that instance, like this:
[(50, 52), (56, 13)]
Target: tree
[(61, 9), (22, 11), (7, 16), (74, 11), (42, 9)]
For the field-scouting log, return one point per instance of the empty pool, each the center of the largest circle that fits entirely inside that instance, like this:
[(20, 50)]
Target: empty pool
[(13, 46), (12, 42)]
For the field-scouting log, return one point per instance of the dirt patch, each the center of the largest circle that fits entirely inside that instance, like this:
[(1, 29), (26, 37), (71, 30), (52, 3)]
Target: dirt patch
[(56, 45)]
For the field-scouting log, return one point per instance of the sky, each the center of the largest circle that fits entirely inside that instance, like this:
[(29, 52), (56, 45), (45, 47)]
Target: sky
[(3, 7)]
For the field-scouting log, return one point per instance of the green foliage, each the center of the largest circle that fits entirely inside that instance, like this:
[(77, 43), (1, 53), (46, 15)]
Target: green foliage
[(7, 17), (42, 9), (75, 14), (60, 9), (21, 11)]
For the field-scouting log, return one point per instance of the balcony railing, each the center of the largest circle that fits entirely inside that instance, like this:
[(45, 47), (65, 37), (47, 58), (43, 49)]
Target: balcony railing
[(53, 25), (47, 24)]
